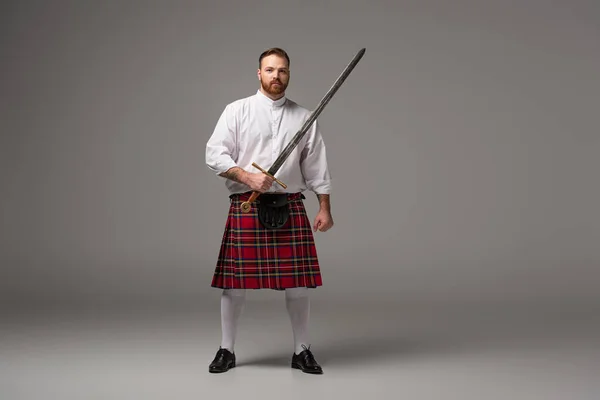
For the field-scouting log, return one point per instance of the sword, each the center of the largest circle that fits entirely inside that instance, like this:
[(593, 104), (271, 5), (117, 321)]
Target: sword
[(246, 206)]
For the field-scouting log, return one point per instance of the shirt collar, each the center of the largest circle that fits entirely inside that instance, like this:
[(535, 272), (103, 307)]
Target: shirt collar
[(277, 103)]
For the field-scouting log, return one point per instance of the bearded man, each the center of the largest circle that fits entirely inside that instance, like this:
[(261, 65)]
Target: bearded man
[(271, 246)]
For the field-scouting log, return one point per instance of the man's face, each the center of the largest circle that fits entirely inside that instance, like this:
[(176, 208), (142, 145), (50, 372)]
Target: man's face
[(274, 75)]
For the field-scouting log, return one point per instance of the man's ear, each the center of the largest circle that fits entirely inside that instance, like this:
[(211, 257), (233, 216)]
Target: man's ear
[(258, 74)]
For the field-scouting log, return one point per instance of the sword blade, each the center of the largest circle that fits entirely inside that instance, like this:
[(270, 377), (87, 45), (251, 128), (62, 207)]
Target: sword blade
[(285, 153)]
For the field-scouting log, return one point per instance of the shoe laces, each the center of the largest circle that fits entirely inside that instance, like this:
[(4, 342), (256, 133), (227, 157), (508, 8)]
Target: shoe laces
[(308, 355)]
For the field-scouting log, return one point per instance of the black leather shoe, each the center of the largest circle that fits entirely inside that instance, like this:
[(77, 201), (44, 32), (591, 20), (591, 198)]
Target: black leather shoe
[(305, 361), (224, 360)]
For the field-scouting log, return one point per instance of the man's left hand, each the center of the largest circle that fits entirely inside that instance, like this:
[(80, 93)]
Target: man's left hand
[(323, 221)]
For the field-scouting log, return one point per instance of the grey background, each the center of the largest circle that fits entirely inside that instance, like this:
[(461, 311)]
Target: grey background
[(464, 151)]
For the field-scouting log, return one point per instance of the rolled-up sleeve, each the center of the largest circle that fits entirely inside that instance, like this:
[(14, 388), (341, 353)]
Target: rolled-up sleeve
[(313, 162), (221, 146)]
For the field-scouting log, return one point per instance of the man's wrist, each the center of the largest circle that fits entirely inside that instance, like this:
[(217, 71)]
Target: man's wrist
[(324, 202)]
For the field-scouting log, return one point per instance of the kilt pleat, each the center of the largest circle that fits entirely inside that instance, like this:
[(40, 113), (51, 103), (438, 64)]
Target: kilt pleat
[(253, 257)]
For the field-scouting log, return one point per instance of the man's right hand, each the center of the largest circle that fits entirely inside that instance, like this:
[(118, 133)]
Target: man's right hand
[(259, 182)]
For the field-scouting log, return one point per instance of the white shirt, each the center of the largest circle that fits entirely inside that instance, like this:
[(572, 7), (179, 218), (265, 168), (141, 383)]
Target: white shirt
[(257, 129)]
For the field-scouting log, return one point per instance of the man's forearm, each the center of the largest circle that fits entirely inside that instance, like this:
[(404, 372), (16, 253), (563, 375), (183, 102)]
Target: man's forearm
[(235, 174), (324, 202)]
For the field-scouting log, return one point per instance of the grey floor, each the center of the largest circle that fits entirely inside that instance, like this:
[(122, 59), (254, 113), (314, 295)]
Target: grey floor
[(399, 351)]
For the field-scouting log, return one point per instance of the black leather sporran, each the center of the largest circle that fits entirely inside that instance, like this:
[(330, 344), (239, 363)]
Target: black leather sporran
[(273, 210)]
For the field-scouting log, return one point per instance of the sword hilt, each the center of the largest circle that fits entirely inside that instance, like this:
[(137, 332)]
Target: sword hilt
[(247, 205), (268, 174)]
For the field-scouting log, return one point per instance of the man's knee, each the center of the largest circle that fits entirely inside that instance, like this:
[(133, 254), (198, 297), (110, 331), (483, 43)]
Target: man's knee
[(297, 292), (234, 292)]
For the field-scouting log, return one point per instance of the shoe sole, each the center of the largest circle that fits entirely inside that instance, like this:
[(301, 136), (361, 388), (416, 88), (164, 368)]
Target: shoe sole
[(306, 371), (219, 371)]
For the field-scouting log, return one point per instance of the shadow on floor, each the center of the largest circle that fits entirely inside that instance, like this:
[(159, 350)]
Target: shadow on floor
[(447, 336), (358, 350)]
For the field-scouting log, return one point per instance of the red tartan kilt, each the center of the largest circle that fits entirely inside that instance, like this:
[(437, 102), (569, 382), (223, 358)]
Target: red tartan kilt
[(253, 257)]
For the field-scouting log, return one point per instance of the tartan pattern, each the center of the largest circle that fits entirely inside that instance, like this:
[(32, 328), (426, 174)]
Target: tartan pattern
[(253, 257)]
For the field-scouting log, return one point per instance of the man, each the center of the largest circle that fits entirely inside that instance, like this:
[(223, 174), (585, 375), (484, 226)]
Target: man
[(271, 246)]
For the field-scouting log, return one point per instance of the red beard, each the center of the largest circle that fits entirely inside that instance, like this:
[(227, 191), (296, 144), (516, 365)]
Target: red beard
[(273, 89)]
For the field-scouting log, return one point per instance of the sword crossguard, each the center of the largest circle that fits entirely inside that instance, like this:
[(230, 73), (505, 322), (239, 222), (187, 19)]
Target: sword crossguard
[(255, 165), (247, 205)]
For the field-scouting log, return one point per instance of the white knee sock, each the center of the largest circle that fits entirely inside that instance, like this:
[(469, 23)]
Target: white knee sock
[(298, 306), (232, 305)]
